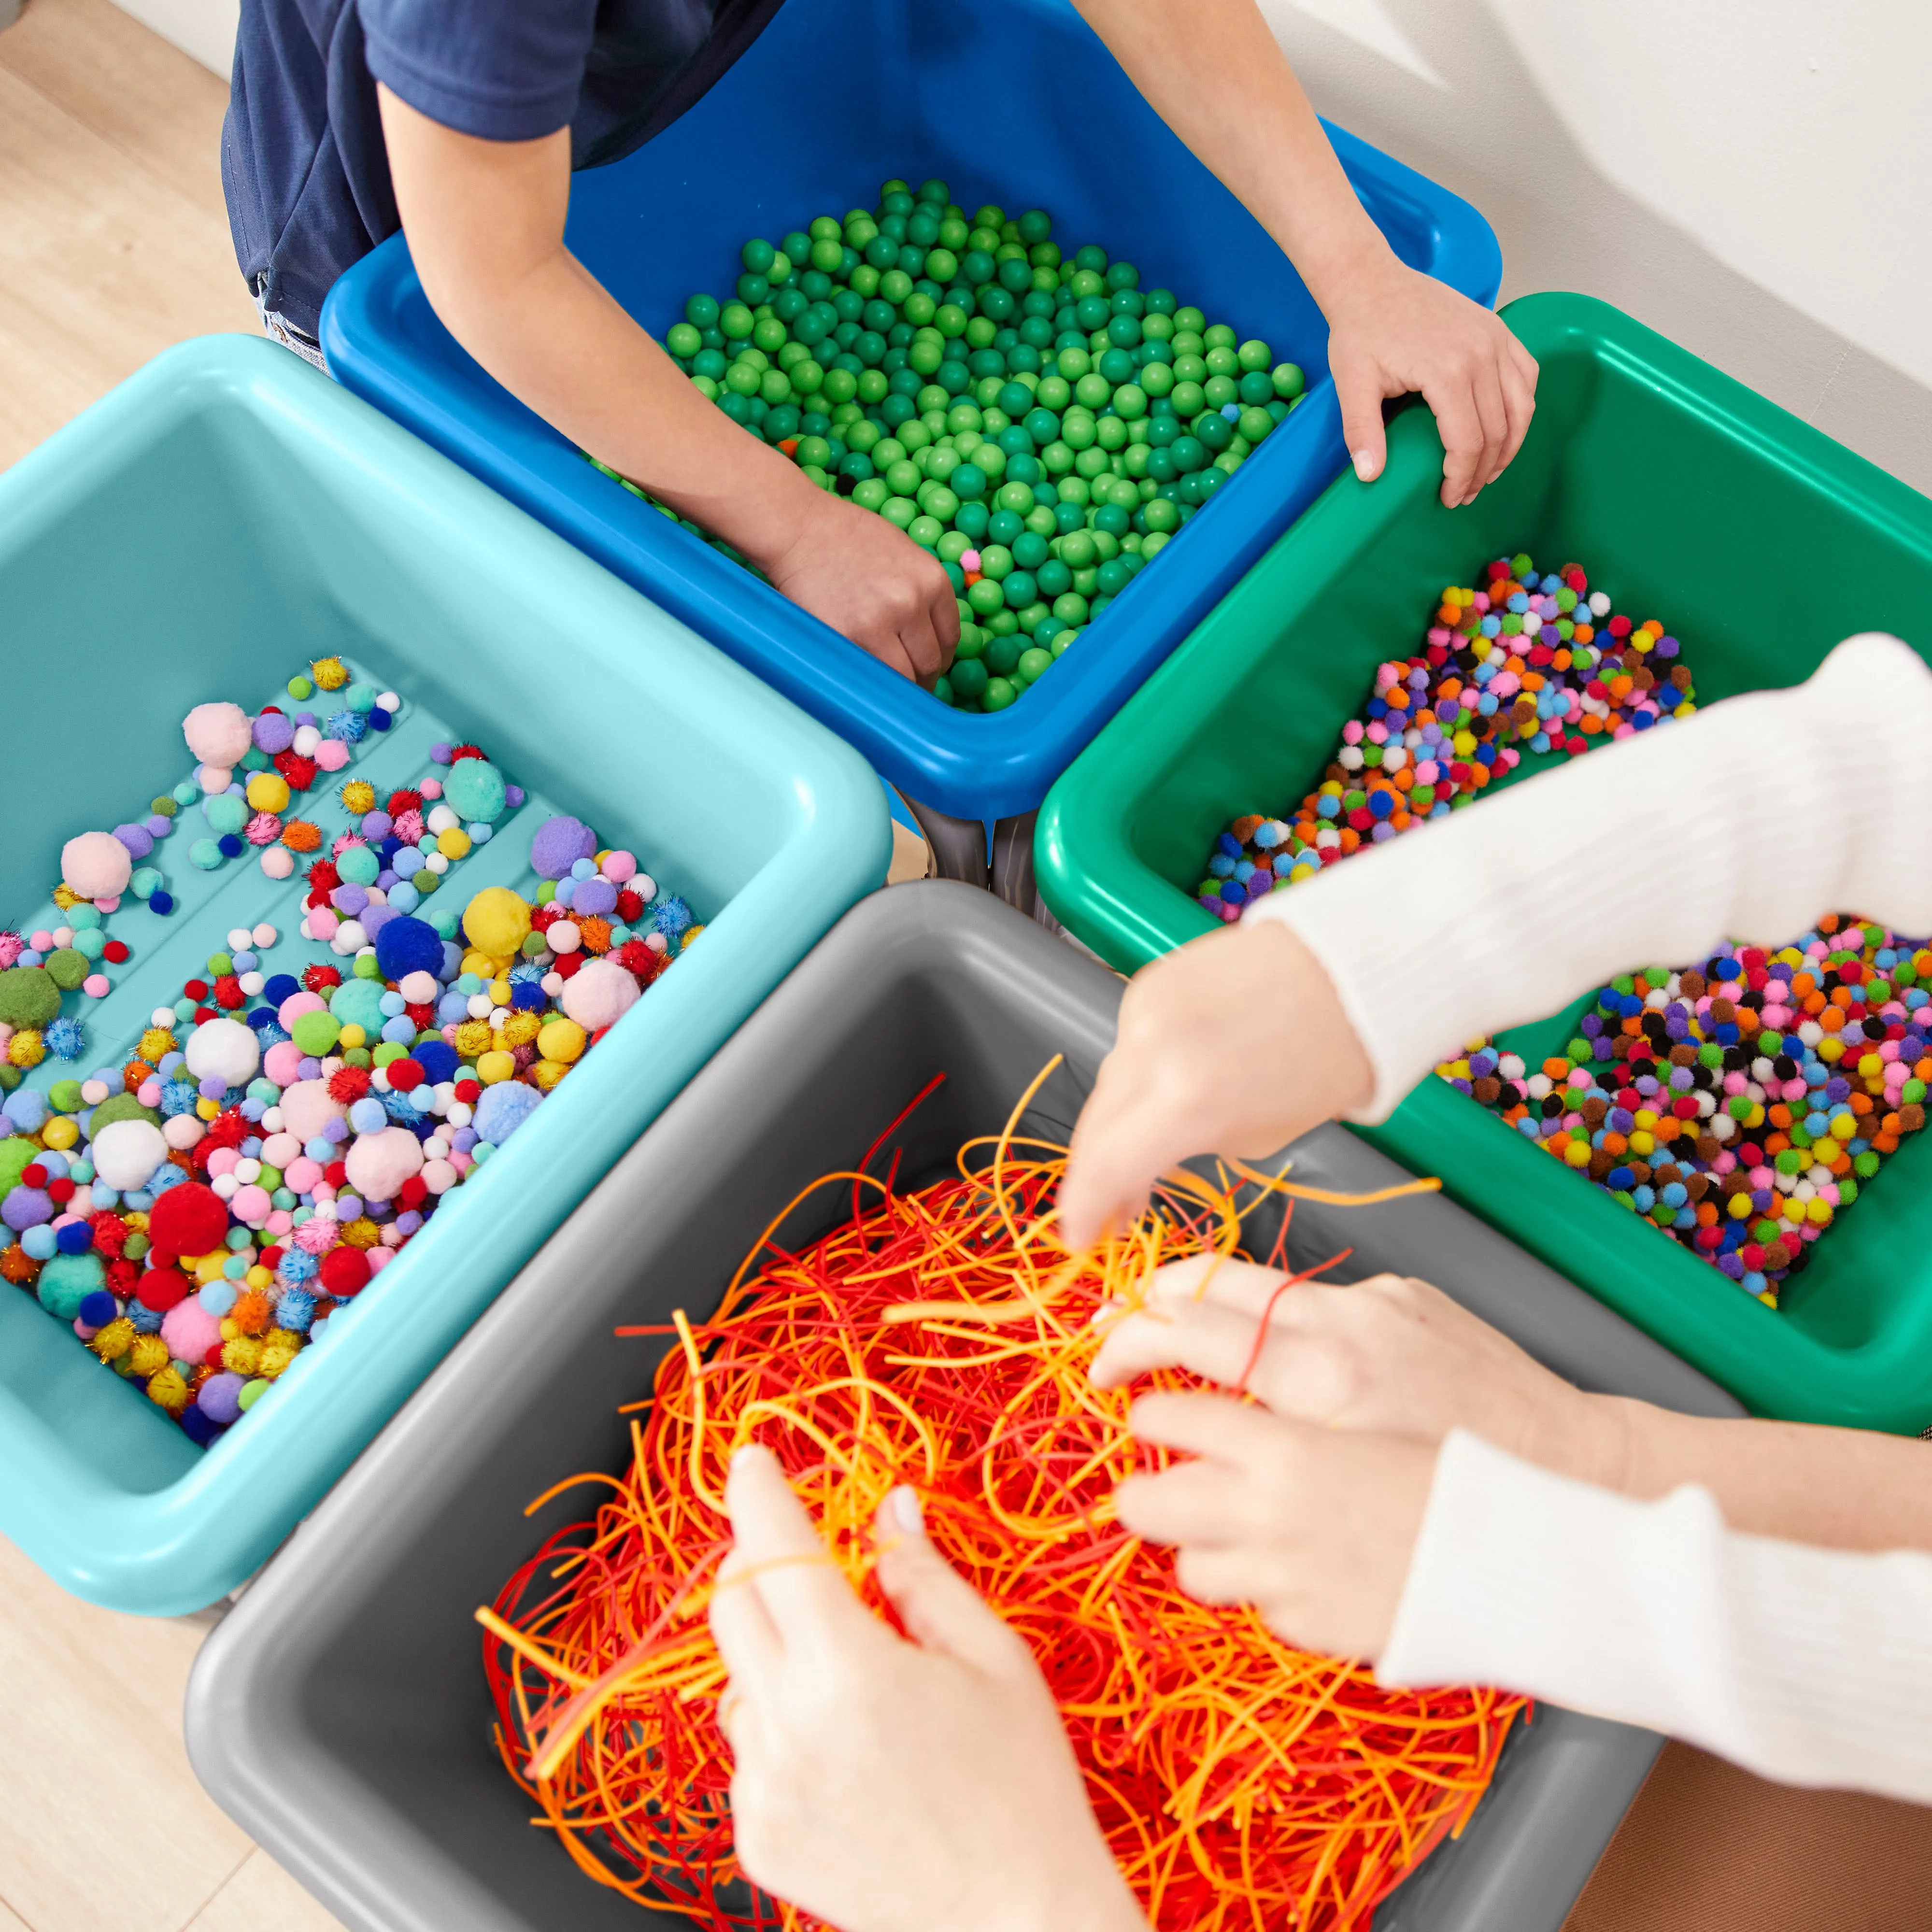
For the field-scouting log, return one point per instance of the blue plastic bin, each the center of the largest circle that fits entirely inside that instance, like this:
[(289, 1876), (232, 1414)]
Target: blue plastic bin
[(219, 518), (1011, 101)]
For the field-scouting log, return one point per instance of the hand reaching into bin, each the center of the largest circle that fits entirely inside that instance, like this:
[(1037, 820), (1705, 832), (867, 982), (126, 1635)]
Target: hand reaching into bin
[(1223, 84), (890, 1785)]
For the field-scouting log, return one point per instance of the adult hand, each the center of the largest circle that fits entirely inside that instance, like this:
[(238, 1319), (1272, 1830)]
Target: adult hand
[(1234, 1043), (869, 581), (888, 1786), (1314, 1527), (1390, 1354), (1393, 329)]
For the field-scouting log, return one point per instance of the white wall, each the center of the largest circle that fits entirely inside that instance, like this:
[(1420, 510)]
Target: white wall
[(205, 29), (1752, 178)]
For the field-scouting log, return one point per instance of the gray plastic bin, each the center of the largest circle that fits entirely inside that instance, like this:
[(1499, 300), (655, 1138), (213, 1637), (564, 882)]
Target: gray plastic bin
[(339, 1714)]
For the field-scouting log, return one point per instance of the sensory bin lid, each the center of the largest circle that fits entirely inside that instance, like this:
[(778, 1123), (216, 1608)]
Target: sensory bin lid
[(712, 174)]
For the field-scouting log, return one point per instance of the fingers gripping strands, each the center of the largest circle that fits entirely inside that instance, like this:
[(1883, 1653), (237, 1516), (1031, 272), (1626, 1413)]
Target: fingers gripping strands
[(941, 1337)]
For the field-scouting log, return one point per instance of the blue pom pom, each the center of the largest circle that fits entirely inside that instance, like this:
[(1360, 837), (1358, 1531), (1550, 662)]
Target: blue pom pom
[(262, 1016), (346, 727), (378, 720), (402, 1112), (503, 1109), (436, 1057), (408, 945), (198, 1425), (231, 848), (76, 1238), (528, 996), (672, 916), (162, 903), (98, 1309), (295, 1308), (282, 986), (147, 1321), (298, 1265), (178, 1096), (64, 1039)]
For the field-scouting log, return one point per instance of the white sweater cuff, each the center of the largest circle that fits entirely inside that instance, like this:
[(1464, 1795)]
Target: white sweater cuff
[(1810, 1667)]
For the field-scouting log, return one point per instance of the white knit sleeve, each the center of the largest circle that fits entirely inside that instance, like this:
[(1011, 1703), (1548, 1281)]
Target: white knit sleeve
[(1743, 824), (1808, 1666)]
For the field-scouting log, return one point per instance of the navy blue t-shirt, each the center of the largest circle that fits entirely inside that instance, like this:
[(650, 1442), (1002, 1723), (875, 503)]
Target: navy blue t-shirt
[(302, 157)]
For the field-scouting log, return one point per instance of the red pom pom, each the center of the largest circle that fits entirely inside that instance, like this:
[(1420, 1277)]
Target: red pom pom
[(637, 958), (404, 800), (202, 1015), (336, 1174), (161, 1288), (114, 953), (348, 1084), (323, 876), (465, 751), (228, 993), (345, 1271), (567, 965), (196, 989), (212, 1359), (419, 1016), (122, 1274), (469, 1092), (630, 906), (110, 1232), (60, 1190), (34, 1175), (271, 1258), (190, 1219), (406, 1076), (229, 1129), (545, 916), (300, 772), (414, 1192), (320, 979)]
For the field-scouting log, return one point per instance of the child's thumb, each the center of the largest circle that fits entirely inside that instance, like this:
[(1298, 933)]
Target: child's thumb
[(937, 1606), (1360, 398)]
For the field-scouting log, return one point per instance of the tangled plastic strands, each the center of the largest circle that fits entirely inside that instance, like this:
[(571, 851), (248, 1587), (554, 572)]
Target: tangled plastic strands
[(942, 1338)]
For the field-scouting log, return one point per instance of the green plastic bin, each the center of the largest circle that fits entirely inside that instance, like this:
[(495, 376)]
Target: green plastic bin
[(1760, 543), (221, 518)]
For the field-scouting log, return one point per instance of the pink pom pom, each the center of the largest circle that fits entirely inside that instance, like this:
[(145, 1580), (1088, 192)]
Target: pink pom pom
[(308, 1108), (264, 829), (293, 1007), (378, 1163), (331, 755), (278, 861), (316, 1235), (408, 827), (95, 986), (278, 1224), (251, 1205), (96, 864), (430, 788), (190, 1331), (222, 1160), (218, 734), (323, 922), (11, 946), (379, 1259), (149, 1091), (619, 867), (282, 1062), (301, 1173), (108, 902)]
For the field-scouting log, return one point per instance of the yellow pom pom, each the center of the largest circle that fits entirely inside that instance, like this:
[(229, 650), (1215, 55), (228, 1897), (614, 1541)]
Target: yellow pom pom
[(60, 1134), (155, 1042), (495, 1066), (361, 1232), (331, 673), (166, 1390), (267, 791), (500, 992), (483, 965), (519, 1030), (358, 797), (260, 1277), (279, 1349), (561, 1039), (146, 1354), (26, 1048), (497, 920), (454, 844), (243, 1355), (211, 1266), (690, 932), (206, 1109), (65, 896), (350, 1036), (545, 1074), (115, 1340), (472, 1037)]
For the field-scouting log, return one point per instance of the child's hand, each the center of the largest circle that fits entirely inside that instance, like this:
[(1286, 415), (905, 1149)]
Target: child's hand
[(1234, 1044), (892, 1786), (1389, 1354), (1314, 1527), (869, 581), (1393, 329)]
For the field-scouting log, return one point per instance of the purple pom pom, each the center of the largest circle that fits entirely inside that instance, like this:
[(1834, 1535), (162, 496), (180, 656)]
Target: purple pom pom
[(560, 843)]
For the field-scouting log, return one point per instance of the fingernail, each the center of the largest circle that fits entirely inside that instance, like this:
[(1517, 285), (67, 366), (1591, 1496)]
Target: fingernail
[(1365, 465), (906, 1511)]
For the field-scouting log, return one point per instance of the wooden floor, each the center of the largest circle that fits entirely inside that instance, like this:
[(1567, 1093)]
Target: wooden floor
[(113, 235), (113, 245)]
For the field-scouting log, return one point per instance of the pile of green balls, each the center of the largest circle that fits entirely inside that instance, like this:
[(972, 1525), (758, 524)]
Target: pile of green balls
[(1041, 424)]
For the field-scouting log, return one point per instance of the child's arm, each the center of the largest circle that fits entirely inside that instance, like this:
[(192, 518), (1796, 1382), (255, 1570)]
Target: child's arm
[(1745, 823), (484, 220), (1214, 72)]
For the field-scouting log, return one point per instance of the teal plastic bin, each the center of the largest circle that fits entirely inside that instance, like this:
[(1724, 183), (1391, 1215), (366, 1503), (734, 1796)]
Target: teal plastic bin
[(221, 517)]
